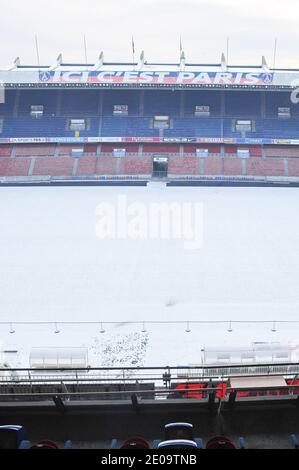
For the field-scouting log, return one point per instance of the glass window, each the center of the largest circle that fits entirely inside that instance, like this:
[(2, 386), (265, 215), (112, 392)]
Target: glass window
[(161, 122), (120, 110), (77, 125), (202, 111), (36, 111), (243, 126), (284, 113)]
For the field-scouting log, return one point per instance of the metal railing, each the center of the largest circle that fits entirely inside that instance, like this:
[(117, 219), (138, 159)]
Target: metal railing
[(152, 383), (157, 375)]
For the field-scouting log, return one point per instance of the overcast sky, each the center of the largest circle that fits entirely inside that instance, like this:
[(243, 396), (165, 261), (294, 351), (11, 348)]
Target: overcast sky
[(156, 25)]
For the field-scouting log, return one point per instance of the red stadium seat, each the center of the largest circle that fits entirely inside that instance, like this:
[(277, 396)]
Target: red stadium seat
[(45, 444), (135, 443), (220, 442), (189, 387)]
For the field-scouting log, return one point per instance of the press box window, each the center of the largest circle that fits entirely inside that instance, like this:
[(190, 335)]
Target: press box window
[(120, 110), (202, 111), (243, 126), (161, 122), (77, 125), (284, 113), (36, 111)]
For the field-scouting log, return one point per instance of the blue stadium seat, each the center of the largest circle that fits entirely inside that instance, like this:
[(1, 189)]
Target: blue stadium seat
[(97, 107), (178, 444), (179, 431), (12, 436)]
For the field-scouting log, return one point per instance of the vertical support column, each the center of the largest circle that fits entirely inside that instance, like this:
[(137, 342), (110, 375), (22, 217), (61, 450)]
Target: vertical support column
[(140, 150), (117, 165), (182, 104), (263, 114), (263, 104), (75, 166), (141, 103), (58, 103), (31, 167), (286, 166), (13, 151), (16, 104), (100, 111), (222, 112), (244, 166)]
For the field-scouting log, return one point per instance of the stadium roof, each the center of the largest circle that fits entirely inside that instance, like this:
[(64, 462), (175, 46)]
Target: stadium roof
[(143, 74)]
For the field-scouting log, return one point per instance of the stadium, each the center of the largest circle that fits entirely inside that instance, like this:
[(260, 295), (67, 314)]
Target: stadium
[(138, 326), (209, 122)]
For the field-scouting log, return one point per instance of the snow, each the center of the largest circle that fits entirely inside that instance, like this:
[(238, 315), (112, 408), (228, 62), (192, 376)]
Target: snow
[(53, 268)]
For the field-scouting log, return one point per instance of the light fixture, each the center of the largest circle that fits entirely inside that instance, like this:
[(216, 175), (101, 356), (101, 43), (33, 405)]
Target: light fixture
[(11, 330), (274, 329), (188, 330), (230, 328), (56, 331), (144, 330), (102, 329)]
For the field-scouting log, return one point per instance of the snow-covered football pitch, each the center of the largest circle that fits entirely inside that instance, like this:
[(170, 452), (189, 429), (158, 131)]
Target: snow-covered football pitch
[(92, 263)]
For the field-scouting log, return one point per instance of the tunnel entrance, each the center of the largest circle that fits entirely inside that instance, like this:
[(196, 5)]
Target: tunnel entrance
[(160, 166)]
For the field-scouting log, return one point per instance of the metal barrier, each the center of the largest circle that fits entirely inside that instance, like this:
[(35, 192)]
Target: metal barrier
[(149, 383)]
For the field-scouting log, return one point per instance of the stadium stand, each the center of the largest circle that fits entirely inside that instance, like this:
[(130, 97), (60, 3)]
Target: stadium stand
[(284, 151), (14, 166), (185, 165), (5, 150), (59, 166), (213, 166), (111, 98), (34, 150), (16, 437), (293, 166), (136, 166), (97, 107), (47, 98), (265, 167), (79, 103), (87, 166), (232, 166), (243, 104), (243, 131), (106, 166), (162, 393)]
